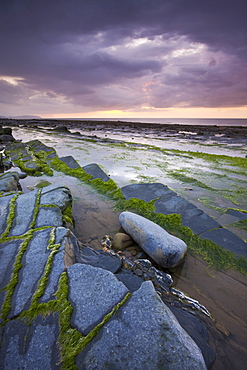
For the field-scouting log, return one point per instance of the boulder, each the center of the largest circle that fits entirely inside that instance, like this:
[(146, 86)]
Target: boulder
[(144, 335), (165, 249)]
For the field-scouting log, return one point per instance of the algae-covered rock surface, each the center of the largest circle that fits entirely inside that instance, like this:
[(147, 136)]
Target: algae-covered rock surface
[(42, 303), (43, 306)]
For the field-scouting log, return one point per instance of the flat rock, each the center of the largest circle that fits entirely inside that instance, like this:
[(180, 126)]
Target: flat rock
[(227, 240), (144, 335), (33, 264), (169, 202), (232, 215), (146, 192), (48, 216), (96, 258), (70, 161), (39, 146), (25, 346), (4, 211), (94, 170), (62, 236), (193, 217), (234, 212), (24, 207), (93, 292), (165, 249)]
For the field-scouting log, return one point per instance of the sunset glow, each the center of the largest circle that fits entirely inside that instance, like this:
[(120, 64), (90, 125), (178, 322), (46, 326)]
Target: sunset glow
[(123, 59)]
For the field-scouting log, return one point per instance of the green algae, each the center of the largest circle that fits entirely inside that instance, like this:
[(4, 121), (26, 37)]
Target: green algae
[(11, 216), (42, 184), (242, 224), (10, 287), (68, 215), (36, 210), (104, 186), (212, 253), (71, 341), (179, 175), (30, 171), (79, 173)]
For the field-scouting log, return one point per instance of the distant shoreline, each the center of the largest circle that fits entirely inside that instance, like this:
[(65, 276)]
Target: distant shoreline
[(101, 125)]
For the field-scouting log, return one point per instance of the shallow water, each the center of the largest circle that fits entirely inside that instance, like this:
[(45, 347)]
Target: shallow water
[(224, 294), (221, 185)]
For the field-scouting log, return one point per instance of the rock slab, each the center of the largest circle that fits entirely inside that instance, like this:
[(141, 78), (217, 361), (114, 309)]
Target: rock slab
[(165, 249), (127, 341), (93, 292)]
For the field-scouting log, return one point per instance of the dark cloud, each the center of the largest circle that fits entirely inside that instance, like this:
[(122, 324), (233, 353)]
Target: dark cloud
[(106, 54)]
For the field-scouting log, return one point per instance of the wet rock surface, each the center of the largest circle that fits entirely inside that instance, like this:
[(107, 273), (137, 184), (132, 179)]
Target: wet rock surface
[(36, 258), (165, 249), (168, 202), (94, 170), (138, 325), (52, 242)]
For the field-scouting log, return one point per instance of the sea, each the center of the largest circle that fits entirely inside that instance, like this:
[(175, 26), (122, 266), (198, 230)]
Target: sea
[(179, 121)]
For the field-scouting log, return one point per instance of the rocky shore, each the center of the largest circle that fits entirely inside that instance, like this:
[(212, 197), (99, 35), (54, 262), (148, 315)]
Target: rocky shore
[(65, 304)]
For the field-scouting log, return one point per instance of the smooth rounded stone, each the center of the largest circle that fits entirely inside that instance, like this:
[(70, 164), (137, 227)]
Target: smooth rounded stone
[(144, 335), (165, 249), (122, 241)]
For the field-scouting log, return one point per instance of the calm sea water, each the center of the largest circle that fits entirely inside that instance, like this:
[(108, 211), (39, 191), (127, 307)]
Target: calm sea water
[(181, 121)]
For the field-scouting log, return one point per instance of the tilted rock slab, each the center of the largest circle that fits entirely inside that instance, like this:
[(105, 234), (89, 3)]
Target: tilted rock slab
[(93, 292), (164, 248), (143, 335)]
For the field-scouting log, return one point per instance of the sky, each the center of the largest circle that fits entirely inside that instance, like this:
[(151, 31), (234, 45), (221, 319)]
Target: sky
[(123, 58)]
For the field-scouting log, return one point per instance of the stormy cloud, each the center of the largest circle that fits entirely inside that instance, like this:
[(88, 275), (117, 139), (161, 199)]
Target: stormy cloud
[(81, 55)]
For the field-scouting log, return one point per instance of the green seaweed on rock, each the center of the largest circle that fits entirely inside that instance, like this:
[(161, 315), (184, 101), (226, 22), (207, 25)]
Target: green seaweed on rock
[(213, 254), (79, 173), (68, 216), (104, 186)]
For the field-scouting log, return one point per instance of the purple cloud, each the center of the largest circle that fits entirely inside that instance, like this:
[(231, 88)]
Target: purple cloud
[(94, 55)]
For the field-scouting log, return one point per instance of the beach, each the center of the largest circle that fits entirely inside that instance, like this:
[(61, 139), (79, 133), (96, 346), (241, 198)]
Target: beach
[(204, 165)]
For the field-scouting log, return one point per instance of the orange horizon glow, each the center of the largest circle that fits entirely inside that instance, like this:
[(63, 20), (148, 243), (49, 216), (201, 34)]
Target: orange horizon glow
[(197, 113)]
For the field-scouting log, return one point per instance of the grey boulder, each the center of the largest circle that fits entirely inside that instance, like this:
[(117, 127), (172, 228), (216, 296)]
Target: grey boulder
[(165, 249)]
